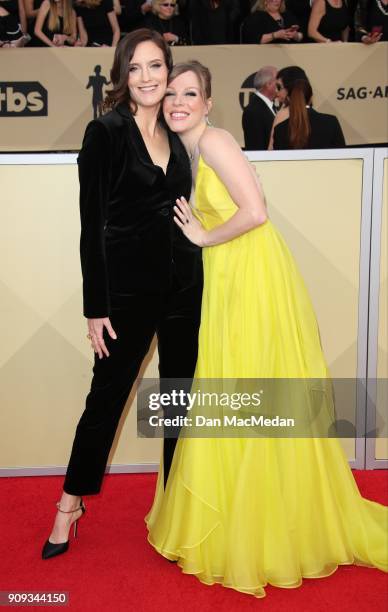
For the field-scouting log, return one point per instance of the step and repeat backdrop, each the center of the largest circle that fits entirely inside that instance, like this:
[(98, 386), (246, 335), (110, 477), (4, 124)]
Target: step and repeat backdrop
[(323, 207), (47, 96)]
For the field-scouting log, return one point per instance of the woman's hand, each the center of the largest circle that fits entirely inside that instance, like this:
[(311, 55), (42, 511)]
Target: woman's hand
[(95, 335), (284, 34), (59, 40), (370, 39), (169, 37), (189, 225)]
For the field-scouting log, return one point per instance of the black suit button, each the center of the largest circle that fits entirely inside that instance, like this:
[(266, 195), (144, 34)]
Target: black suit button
[(164, 211)]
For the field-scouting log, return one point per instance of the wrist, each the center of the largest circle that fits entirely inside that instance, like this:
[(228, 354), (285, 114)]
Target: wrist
[(204, 239)]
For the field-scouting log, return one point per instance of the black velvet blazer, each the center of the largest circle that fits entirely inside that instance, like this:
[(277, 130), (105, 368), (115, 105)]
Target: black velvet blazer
[(129, 240)]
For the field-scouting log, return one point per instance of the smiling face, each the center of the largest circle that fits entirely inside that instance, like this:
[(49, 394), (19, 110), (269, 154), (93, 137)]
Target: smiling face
[(165, 9), (184, 106), (147, 78)]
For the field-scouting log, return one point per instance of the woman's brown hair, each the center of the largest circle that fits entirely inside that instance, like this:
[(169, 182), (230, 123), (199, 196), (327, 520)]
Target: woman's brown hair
[(202, 73), (119, 73), (299, 93)]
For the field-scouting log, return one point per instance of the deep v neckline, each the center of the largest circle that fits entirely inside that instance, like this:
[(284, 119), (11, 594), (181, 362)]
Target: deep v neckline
[(147, 153)]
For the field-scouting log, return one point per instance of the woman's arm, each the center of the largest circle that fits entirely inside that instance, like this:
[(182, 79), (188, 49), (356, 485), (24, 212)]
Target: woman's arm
[(29, 9), (42, 14), (94, 169), (22, 16), (318, 10), (345, 34), (115, 28), (222, 153), (283, 34), (71, 38), (83, 35), (117, 7)]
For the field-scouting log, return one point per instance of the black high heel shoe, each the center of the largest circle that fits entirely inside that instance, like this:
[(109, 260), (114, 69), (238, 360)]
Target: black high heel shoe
[(52, 550)]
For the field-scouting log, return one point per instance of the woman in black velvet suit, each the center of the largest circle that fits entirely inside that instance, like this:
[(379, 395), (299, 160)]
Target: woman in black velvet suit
[(141, 276)]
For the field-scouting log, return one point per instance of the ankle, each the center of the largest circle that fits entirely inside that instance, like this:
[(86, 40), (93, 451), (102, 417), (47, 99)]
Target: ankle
[(69, 503)]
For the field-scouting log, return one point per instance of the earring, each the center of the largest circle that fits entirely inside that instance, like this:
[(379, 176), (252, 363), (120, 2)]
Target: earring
[(208, 122)]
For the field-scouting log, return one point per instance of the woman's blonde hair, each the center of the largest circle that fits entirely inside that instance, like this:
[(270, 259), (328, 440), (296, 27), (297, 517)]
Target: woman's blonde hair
[(53, 21), (260, 5), (156, 3)]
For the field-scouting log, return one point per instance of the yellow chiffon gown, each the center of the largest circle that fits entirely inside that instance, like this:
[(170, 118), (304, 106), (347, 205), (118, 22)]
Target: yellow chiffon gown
[(250, 512)]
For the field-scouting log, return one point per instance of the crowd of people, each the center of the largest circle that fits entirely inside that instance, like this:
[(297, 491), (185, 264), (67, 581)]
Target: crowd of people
[(94, 23)]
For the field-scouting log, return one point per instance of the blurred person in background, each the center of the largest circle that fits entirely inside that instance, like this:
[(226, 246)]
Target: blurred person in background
[(259, 114), (32, 9), (133, 14), (56, 24), (301, 9), (164, 20), (213, 22), (97, 23), (13, 24), (297, 125), (270, 22), (371, 21), (329, 21)]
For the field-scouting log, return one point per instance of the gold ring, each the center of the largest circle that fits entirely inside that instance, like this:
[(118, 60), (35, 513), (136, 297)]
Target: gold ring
[(89, 337)]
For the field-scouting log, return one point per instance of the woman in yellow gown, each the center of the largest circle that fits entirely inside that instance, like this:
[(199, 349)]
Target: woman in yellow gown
[(249, 512)]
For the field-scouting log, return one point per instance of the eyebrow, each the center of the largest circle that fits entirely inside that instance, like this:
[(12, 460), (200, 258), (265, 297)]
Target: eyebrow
[(157, 59), (186, 88)]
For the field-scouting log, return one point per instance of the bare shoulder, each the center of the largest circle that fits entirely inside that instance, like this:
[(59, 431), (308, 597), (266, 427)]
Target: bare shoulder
[(216, 142)]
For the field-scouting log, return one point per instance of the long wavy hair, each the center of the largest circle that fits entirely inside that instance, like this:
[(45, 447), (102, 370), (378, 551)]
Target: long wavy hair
[(119, 73), (299, 94), (53, 16)]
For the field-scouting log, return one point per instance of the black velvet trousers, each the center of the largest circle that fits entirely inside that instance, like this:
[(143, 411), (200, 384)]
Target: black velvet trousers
[(174, 317)]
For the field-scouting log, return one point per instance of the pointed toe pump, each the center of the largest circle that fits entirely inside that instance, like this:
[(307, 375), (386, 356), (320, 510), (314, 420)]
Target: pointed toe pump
[(52, 550)]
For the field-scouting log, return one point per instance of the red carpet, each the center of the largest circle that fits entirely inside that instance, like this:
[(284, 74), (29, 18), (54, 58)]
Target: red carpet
[(111, 567)]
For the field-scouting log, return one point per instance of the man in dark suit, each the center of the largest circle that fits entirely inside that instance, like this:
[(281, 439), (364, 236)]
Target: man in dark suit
[(258, 115)]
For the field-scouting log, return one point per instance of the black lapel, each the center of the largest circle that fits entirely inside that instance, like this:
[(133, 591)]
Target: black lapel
[(178, 151), (136, 144)]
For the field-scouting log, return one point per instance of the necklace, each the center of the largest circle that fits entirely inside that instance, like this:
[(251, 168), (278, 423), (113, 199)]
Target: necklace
[(191, 155), (383, 7)]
